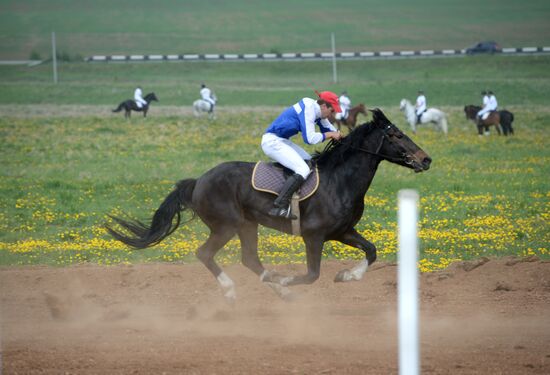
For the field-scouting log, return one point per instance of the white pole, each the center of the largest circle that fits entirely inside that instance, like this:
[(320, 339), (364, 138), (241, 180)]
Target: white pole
[(334, 75), (409, 358), (54, 57)]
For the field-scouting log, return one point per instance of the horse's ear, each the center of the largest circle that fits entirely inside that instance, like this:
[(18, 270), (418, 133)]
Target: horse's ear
[(379, 117)]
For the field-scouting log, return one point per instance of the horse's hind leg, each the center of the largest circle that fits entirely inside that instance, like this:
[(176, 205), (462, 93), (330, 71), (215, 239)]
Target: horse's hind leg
[(352, 238), (218, 238), (248, 234)]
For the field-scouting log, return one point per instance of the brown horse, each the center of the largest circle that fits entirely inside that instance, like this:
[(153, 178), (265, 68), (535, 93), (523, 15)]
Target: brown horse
[(493, 119), (352, 117), (499, 119)]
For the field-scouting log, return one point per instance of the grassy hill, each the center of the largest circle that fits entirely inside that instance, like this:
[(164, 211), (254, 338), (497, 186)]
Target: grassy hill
[(194, 26)]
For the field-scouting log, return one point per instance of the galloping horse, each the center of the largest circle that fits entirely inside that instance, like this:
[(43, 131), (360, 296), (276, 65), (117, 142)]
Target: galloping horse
[(433, 115), (130, 105), (226, 202), (202, 106), (499, 119), (352, 117)]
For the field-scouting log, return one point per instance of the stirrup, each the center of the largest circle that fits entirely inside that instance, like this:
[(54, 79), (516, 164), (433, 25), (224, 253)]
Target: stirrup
[(283, 212)]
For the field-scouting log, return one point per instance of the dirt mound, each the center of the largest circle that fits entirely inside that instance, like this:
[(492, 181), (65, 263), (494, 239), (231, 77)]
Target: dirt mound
[(484, 317)]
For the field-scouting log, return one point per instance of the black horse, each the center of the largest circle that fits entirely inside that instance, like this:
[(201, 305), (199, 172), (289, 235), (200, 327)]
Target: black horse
[(130, 105), (226, 202), (503, 118)]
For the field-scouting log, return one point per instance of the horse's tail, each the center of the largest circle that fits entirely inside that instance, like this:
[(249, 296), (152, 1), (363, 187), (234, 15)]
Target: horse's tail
[(119, 108), (162, 225)]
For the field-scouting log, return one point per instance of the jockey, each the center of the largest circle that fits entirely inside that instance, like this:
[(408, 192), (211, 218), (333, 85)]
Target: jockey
[(206, 95), (420, 106), (138, 97), (484, 112), (345, 105), (299, 118)]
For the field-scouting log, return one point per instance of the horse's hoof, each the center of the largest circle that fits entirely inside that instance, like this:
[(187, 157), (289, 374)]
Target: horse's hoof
[(343, 276), (230, 296), (271, 276), (281, 291)]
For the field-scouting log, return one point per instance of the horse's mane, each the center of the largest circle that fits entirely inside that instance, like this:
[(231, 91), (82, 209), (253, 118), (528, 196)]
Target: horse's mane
[(337, 152)]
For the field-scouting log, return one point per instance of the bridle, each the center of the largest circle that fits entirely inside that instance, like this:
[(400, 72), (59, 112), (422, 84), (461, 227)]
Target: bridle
[(385, 137)]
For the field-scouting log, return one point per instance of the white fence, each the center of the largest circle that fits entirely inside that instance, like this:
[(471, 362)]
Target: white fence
[(307, 55)]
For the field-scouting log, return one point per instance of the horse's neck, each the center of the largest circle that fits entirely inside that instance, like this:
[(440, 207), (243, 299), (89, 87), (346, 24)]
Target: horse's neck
[(356, 174)]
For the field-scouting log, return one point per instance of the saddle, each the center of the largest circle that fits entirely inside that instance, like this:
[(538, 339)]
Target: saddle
[(270, 177)]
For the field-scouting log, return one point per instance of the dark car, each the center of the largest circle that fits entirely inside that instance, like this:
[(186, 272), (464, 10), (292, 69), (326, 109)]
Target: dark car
[(484, 47)]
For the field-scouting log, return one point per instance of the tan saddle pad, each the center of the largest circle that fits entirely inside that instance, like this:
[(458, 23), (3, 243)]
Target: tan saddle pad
[(270, 178)]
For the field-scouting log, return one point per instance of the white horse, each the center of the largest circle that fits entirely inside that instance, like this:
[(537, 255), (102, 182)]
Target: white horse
[(202, 106), (433, 115)]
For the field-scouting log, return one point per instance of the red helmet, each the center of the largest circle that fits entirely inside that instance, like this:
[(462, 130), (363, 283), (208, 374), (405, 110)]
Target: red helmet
[(331, 98)]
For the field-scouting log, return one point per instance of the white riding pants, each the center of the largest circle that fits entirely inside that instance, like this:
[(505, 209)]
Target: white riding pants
[(484, 112), (287, 153)]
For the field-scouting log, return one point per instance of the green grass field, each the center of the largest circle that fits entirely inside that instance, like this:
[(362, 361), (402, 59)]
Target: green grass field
[(86, 28), (485, 196)]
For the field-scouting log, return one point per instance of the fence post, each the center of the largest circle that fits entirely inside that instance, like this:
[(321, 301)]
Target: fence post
[(409, 358), (54, 58), (334, 74)]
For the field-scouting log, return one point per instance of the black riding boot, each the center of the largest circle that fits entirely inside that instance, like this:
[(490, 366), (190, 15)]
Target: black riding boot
[(282, 202)]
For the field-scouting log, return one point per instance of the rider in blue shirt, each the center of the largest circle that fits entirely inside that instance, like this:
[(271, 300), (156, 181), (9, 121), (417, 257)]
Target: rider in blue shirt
[(302, 117)]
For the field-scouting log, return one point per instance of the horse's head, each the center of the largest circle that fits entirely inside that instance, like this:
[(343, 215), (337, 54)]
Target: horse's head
[(362, 109), (150, 97), (379, 138), (470, 111), (403, 104), (393, 145)]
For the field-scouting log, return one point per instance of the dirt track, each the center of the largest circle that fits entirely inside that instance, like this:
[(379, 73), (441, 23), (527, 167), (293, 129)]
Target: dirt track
[(489, 318)]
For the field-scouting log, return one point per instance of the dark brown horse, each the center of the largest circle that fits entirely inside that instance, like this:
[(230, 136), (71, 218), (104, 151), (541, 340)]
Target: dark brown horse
[(352, 117), (499, 119), (130, 105), (224, 199)]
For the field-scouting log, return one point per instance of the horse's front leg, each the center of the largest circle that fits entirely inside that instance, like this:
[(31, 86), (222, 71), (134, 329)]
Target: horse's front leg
[(352, 238)]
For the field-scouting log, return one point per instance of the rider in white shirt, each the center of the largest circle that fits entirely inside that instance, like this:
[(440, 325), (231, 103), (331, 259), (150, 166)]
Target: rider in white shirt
[(420, 106), (138, 97), (345, 105), (484, 112), (206, 95)]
